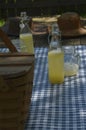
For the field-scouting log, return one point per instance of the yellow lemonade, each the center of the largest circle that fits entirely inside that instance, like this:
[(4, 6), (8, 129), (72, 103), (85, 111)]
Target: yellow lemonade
[(56, 66), (27, 39), (70, 69)]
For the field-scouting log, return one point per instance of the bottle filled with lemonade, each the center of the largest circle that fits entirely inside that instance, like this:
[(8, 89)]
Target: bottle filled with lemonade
[(55, 58), (56, 66), (26, 37), (27, 40)]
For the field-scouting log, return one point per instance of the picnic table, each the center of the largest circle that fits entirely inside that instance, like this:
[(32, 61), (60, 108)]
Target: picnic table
[(58, 106)]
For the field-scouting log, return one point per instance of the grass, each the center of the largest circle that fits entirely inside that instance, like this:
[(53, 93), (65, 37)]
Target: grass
[(2, 22)]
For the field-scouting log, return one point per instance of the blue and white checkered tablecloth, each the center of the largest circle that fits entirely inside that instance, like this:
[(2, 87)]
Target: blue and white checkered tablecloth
[(58, 107)]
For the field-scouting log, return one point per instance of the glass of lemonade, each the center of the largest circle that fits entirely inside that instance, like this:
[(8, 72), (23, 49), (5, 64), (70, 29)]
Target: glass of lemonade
[(71, 61)]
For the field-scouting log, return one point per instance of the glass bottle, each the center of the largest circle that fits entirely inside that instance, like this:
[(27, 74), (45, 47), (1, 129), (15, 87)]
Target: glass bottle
[(26, 38), (55, 59)]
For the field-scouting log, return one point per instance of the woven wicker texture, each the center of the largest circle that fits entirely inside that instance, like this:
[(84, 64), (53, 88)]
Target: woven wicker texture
[(15, 95), (16, 81)]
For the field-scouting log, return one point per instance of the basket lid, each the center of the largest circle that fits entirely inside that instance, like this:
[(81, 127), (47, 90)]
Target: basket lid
[(15, 63)]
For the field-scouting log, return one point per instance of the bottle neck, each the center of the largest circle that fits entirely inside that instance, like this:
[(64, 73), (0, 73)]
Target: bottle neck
[(24, 26), (55, 42)]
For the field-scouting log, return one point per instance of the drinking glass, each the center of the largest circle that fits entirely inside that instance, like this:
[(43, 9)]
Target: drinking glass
[(71, 61)]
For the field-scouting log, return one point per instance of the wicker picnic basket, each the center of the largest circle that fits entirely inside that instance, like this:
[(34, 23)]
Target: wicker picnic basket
[(16, 81)]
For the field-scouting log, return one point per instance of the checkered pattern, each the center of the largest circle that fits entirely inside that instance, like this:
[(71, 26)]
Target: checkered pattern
[(57, 107)]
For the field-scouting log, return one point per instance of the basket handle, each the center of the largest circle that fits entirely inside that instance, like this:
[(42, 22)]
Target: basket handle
[(7, 41)]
